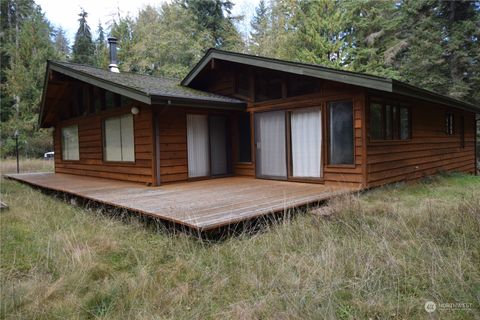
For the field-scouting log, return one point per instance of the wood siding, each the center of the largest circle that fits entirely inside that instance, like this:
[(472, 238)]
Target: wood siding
[(90, 136), (429, 151)]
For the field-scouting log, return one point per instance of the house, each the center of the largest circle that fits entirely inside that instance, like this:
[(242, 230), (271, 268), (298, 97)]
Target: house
[(241, 115)]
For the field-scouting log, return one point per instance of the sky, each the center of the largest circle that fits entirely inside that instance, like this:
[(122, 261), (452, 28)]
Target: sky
[(64, 13)]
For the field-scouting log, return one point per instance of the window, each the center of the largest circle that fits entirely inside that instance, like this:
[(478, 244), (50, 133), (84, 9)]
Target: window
[(118, 138), (70, 143), (244, 138), (268, 86), (449, 124), (242, 84), (297, 86), (389, 122), (340, 133)]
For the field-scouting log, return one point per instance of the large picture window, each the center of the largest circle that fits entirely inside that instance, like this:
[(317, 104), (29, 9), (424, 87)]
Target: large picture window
[(389, 122), (340, 133), (118, 139), (70, 150)]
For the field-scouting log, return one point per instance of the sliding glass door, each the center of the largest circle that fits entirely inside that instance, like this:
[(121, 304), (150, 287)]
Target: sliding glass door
[(207, 145), (271, 161), (306, 143), (198, 146)]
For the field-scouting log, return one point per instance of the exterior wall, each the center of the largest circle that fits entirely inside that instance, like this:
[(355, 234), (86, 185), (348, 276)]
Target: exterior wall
[(172, 136), (429, 151), (90, 137)]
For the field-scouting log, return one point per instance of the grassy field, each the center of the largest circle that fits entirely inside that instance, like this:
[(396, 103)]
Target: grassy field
[(381, 255), (26, 165)]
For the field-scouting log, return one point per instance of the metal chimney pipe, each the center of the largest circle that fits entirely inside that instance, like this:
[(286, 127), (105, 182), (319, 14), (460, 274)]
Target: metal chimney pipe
[(112, 42)]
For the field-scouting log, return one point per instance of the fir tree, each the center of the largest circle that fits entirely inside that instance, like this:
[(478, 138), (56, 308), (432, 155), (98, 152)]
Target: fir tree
[(215, 17), (83, 47), (61, 44), (101, 50), (259, 25)]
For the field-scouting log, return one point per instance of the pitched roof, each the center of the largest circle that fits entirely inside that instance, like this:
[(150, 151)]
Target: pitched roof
[(317, 71), (144, 88)]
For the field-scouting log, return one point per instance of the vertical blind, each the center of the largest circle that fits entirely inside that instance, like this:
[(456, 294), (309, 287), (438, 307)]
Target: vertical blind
[(119, 140), (270, 142), (197, 145), (306, 143), (70, 150)]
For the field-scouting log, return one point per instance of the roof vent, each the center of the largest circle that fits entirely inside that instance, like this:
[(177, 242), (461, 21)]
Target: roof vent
[(112, 42)]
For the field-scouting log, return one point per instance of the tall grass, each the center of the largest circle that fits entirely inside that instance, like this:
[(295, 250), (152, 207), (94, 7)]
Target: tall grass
[(380, 255), (26, 165)]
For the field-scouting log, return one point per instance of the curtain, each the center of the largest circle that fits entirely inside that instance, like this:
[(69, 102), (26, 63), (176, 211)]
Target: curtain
[(306, 143), (119, 140), (270, 141), (70, 149), (197, 145), (126, 135)]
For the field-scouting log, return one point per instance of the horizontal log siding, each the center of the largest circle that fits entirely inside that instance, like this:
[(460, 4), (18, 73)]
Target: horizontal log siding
[(429, 151), (90, 137)]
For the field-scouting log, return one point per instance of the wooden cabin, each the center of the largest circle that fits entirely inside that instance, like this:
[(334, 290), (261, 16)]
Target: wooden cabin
[(241, 115)]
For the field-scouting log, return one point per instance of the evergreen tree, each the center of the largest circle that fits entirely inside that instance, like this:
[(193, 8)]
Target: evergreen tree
[(259, 33), (101, 50), (371, 39), (321, 33), (215, 17), (83, 48), (26, 46), (61, 44)]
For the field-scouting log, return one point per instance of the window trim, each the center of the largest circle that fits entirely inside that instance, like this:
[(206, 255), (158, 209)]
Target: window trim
[(104, 145), (395, 124), (62, 144), (327, 135)]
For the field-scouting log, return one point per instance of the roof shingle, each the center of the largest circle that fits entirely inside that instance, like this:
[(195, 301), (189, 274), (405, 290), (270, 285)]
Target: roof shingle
[(149, 85)]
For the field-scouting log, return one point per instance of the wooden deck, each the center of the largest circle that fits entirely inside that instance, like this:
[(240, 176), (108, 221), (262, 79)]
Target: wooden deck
[(201, 205)]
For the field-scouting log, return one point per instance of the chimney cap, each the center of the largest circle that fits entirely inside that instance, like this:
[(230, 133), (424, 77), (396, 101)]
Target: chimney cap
[(112, 39)]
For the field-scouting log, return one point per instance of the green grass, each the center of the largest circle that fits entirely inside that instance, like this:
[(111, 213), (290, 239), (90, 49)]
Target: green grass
[(381, 255)]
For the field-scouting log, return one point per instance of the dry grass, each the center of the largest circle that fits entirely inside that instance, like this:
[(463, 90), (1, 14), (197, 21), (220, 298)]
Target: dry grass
[(26, 165), (380, 255)]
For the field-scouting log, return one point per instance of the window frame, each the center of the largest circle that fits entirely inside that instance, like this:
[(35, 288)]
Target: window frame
[(62, 144), (450, 123), (395, 123), (327, 135), (104, 144)]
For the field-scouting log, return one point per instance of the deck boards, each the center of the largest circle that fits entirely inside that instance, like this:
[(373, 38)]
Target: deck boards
[(202, 205)]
